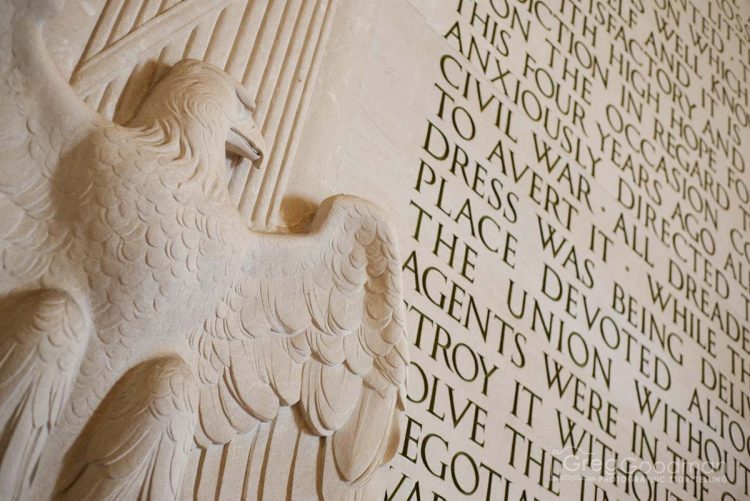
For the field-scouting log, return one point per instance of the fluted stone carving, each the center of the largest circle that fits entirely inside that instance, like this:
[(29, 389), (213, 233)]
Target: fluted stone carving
[(151, 345)]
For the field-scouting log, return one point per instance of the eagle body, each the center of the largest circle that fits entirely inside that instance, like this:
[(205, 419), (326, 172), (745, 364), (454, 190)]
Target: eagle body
[(155, 249)]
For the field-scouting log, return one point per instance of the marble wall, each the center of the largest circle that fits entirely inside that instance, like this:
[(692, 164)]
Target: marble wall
[(569, 181), (570, 184)]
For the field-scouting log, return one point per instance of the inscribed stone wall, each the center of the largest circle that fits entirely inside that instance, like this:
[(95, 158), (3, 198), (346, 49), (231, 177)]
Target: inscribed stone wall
[(569, 179), (570, 183)]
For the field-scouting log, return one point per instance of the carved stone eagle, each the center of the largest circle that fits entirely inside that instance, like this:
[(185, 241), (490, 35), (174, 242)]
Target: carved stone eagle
[(148, 338)]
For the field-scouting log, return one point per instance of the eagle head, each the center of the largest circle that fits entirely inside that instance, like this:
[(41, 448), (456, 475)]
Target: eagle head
[(209, 107)]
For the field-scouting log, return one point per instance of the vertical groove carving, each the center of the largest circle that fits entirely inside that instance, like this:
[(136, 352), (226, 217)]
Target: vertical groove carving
[(125, 21), (293, 112), (98, 39), (204, 32), (280, 98)]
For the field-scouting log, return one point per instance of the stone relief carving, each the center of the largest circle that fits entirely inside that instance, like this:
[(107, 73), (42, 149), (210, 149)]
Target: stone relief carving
[(272, 47), (151, 345)]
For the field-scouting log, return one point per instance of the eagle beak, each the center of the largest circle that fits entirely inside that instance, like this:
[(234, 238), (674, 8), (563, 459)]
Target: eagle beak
[(246, 142)]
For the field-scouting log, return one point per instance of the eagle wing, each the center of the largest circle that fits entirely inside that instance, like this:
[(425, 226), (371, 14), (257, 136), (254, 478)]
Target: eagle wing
[(315, 323), (42, 334), (137, 443), (43, 331), (40, 119)]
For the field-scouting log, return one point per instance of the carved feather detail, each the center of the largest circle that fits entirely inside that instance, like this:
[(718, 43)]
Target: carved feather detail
[(273, 48), (285, 352), (136, 444), (42, 338), (317, 324)]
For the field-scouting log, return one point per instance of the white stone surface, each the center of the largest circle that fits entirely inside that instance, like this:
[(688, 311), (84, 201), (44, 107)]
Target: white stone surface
[(629, 202), (153, 346)]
